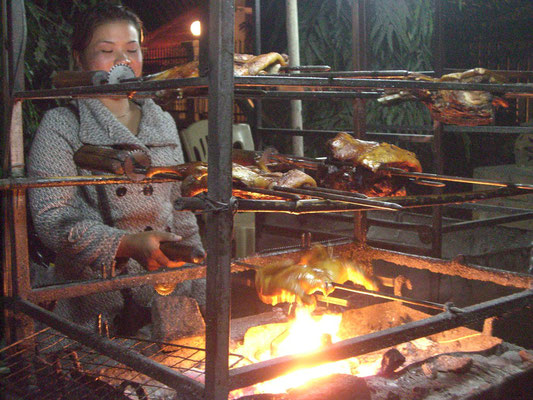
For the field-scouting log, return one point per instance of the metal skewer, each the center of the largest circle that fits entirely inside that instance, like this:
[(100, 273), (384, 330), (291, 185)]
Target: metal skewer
[(344, 198), (422, 303)]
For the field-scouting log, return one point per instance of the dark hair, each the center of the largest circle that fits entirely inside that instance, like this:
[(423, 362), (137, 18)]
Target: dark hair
[(98, 15)]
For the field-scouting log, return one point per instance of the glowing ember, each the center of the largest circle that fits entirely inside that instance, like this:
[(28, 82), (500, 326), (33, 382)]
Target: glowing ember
[(305, 334)]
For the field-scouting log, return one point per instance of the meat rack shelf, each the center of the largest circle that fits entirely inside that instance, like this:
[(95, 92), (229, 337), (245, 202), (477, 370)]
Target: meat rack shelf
[(344, 87)]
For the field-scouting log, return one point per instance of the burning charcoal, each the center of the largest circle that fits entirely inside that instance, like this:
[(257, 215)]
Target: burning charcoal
[(453, 364), (429, 370), (174, 317), (419, 392), (265, 396), (335, 386), (391, 360), (526, 355)]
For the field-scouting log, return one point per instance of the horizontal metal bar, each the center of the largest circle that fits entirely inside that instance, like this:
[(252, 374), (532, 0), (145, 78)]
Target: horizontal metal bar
[(278, 80), (306, 95), (269, 80), (454, 198), (447, 178), (83, 288), (26, 183), (346, 198), (111, 89), (309, 132), (132, 359), (486, 222), (408, 300), (514, 130), (266, 370), (489, 208), (298, 207)]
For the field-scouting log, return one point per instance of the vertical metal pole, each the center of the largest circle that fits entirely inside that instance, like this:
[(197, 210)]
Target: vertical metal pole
[(16, 276), (438, 67), (219, 223), (293, 40), (438, 42), (359, 105), (436, 239), (258, 138)]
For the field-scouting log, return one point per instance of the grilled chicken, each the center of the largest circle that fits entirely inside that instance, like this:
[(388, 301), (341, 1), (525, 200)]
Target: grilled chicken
[(361, 168), (250, 177), (244, 64), (457, 107), (372, 155), (296, 282)]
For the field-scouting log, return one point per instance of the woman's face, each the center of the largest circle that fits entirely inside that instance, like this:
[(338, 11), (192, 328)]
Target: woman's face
[(112, 43)]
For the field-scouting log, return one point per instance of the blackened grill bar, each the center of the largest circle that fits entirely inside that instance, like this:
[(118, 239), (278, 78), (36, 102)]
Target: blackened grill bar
[(289, 80), (266, 370), (132, 359)]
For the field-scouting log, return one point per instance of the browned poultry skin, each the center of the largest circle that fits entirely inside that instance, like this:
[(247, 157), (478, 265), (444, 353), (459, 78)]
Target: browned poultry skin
[(251, 177), (296, 282), (244, 64), (372, 155)]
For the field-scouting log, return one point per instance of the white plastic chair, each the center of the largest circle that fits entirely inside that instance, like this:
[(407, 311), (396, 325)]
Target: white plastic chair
[(194, 140)]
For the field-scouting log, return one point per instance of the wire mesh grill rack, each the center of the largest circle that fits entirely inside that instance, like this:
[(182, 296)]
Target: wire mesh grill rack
[(49, 365)]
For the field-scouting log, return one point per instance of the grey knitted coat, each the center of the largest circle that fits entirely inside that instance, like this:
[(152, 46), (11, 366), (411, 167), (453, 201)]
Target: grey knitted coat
[(83, 225)]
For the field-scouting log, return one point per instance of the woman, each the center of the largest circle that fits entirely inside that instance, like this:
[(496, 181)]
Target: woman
[(93, 228)]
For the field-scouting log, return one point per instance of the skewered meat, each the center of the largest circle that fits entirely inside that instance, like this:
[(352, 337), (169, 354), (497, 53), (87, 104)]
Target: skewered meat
[(296, 282), (361, 167), (244, 64), (360, 180), (372, 155), (457, 107), (251, 177)]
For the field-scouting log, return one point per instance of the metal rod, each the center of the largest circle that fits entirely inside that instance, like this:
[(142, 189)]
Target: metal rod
[(219, 184), (270, 80), (295, 80), (266, 370), (422, 303), (486, 222), (26, 183), (293, 44), (307, 95), (398, 172), (83, 288), (454, 198), (132, 359), (344, 198), (400, 136)]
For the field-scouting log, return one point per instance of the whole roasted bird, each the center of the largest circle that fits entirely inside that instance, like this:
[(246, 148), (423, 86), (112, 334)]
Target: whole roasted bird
[(288, 281), (249, 177), (456, 107), (243, 65), (361, 166)]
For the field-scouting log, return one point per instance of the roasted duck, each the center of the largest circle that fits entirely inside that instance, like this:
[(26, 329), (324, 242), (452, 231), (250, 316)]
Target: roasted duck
[(360, 167), (457, 107), (244, 64), (372, 155), (296, 282), (249, 177)]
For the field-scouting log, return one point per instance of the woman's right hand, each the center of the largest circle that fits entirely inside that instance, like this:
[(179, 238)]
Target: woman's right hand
[(144, 247)]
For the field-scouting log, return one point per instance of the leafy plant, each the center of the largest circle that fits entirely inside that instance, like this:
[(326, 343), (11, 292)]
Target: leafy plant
[(400, 37)]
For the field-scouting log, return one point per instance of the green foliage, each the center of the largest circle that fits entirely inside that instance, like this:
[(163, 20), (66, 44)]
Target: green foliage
[(400, 34), (49, 25), (400, 37)]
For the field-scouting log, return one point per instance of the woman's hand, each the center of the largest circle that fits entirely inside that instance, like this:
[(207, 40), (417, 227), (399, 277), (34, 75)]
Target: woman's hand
[(144, 247)]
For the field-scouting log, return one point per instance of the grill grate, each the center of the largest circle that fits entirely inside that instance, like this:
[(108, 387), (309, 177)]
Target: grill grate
[(49, 365)]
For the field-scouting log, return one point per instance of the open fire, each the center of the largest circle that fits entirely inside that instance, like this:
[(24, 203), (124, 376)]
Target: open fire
[(305, 333), (421, 359)]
